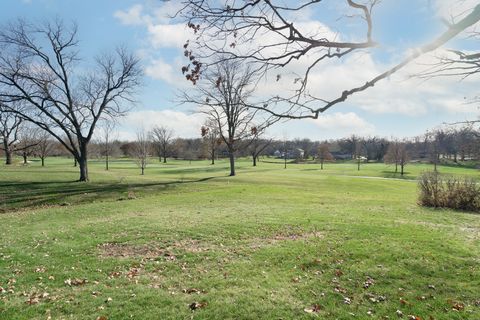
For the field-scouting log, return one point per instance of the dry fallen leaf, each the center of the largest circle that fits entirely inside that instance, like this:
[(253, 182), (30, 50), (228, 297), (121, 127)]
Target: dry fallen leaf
[(458, 306), (133, 272), (192, 290), (313, 309), (75, 282), (197, 305), (368, 283)]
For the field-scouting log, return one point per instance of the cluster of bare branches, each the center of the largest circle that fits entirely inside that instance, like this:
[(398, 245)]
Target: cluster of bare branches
[(141, 149), (10, 126), (211, 137), (40, 82), (224, 98), (397, 154), (18, 136), (265, 35), (162, 138)]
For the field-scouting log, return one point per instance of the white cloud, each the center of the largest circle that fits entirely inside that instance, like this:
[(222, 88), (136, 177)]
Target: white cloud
[(185, 125), (162, 33), (160, 70), (132, 16), (454, 9), (345, 123), (168, 9), (168, 35), (457, 106), (396, 95)]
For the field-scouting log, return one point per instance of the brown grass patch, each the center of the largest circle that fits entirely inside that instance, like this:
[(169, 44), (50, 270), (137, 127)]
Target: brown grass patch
[(123, 250), (152, 250), (283, 237)]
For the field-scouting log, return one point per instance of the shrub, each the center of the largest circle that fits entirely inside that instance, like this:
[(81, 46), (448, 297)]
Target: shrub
[(449, 192)]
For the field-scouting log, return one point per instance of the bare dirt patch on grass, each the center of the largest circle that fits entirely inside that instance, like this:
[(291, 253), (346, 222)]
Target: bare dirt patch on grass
[(156, 250), (153, 250), (123, 250), (257, 243)]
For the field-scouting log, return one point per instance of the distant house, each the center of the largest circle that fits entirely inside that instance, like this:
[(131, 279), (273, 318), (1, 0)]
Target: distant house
[(278, 154), (291, 154), (297, 154)]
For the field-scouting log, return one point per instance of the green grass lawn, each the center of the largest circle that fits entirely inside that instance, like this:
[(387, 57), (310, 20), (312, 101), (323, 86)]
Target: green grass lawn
[(299, 243)]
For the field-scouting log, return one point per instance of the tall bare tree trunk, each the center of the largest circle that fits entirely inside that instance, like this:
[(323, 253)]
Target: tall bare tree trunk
[(232, 163), (8, 156), (43, 161), (82, 161), (213, 156), (8, 152), (254, 160)]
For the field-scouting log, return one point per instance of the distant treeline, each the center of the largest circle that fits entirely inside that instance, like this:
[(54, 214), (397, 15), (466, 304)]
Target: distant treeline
[(455, 144)]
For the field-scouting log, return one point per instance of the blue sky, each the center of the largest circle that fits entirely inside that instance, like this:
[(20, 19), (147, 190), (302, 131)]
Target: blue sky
[(398, 107)]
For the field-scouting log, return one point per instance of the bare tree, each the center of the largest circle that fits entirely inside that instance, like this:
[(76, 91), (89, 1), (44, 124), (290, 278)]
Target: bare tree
[(28, 141), (434, 143), (257, 144), (323, 154), (224, 99), (265, 34), (141, 149), (359, 152), (285, 150), (107, 131), (211, 137), (9, 133), (162, 138), (404, 157), (397, 154), (350, 145), (393, 154), (39, 69), (45, 146)]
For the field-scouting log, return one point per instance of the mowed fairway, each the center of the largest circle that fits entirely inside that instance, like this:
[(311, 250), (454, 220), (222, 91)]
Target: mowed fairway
[(299, 243)]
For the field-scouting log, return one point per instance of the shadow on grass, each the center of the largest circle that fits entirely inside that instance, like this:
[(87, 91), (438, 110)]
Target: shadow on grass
[(15, 195)]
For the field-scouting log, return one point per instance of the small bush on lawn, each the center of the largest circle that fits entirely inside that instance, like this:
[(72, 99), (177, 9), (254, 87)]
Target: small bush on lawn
[(449, 192)]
